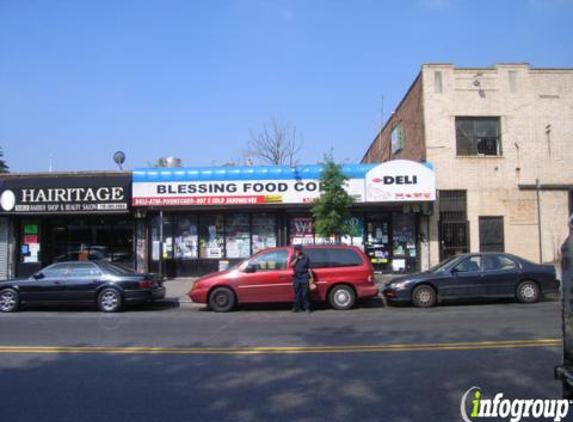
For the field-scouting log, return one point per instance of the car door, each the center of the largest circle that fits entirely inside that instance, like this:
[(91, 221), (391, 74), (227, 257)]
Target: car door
[(270, 281), (465, 279), (47, 284), (500, 275), (81, 282)]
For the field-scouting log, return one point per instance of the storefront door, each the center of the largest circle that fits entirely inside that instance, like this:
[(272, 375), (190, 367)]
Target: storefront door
[(378, 242)]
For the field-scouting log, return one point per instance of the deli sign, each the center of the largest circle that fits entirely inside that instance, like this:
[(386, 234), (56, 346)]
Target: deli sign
[(393, 181), (63, 194)]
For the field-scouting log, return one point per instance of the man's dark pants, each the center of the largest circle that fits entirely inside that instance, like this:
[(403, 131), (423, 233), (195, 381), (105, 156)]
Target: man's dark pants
[(301, 295)]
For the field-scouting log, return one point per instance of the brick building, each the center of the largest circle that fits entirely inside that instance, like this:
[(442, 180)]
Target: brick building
[(491, 134)]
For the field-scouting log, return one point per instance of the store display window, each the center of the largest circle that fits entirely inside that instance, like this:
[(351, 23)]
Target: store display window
[(356, 235), (264, 231), (238, 235), (301, 231), (186, 237), (212, 236)]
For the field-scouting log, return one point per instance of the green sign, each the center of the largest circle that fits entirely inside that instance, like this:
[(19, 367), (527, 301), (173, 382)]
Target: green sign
[(31, 229)]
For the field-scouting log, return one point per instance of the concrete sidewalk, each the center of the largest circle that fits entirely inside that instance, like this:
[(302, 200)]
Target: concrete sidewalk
[(178, 288)]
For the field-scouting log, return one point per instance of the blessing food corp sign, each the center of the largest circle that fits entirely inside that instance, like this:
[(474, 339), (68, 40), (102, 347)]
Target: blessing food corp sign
[(394, 181)]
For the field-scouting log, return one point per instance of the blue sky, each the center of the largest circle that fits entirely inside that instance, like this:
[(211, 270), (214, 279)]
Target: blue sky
[(82, 79)]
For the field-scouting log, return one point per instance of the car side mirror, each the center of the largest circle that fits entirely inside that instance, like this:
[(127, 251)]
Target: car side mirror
[(39, 275), (251, 268)]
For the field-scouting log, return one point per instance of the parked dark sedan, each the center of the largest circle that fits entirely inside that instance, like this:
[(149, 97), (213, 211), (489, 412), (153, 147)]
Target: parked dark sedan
[(108, 285), (475, 275)]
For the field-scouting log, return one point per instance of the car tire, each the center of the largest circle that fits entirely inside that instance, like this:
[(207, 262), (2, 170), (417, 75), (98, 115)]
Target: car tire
[(110, 300), (342, 297), (424, 296), (222, 299), (9, 300), (527, 292)]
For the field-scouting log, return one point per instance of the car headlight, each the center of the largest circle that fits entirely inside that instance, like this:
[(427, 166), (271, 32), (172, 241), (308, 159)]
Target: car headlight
[(400, 285)]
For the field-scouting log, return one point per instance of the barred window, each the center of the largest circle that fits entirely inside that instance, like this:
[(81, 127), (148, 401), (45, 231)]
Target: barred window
[(478, 136)]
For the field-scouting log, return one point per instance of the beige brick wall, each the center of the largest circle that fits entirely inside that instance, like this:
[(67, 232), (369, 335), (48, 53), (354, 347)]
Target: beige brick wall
[(536, 111)]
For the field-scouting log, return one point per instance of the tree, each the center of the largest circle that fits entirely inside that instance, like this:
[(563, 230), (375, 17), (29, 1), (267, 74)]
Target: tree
[(279, 145), (331, 211), (166, 162), (3, 166)]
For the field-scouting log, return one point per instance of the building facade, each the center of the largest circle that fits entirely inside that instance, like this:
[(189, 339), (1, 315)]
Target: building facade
[(192, 221), (501, 142), (51, 217)]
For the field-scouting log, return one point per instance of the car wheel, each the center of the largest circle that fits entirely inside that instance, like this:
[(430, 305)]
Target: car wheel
[(110, 300), (222, 299), (9, 300), (342, 297), (424, 297), (528, 292)]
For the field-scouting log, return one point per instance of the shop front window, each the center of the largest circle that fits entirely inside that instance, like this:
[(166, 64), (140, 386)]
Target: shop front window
[(157, 247), (90, 239), (264, 231), (356, 235), (301, 231), (211, 236), (238, 236), (186, 237)]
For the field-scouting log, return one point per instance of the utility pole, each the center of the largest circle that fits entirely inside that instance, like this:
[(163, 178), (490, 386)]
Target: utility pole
[(537, 189), (161, 244)]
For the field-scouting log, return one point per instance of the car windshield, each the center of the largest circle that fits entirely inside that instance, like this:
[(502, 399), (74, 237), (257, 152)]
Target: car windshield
[(115, 269), (443, 266)]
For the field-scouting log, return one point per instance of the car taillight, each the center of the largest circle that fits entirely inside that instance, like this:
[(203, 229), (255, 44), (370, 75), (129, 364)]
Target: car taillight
[(144, 284)]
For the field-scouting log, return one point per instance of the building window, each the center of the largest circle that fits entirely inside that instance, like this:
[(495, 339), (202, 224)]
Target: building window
[(491, 237), (211, 236), (478, 136), (238, 233), (186, 238), (301, 231), (264, 233)]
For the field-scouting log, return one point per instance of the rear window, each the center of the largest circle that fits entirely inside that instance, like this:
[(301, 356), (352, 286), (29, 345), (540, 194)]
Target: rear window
[(330, 258)]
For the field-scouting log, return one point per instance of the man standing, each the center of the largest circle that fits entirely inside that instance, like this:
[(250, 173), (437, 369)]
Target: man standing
[(301, 268)]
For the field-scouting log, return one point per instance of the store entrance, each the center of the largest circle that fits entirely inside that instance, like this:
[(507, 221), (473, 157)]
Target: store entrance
[(378, 242)]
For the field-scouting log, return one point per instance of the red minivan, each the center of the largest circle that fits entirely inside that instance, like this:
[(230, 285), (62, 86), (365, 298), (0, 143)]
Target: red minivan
[(342, 274)]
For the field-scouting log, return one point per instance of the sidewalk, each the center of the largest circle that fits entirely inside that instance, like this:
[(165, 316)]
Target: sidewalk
[(178, 288)]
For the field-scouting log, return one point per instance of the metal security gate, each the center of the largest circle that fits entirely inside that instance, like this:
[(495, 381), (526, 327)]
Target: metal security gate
[(454, 238), (4, 248), (491, 237), (454, 231)]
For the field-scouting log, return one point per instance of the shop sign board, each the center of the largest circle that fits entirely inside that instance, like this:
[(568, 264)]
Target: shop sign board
[(65, 194), (395, 181)]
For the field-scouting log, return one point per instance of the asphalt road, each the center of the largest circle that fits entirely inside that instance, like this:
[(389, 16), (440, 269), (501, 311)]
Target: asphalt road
[(372, 363)]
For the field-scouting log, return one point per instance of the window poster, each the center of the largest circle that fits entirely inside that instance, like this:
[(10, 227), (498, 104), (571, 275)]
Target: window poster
[(30, 243), (238, 236), (264, 232), (301, 231), (186, 239)]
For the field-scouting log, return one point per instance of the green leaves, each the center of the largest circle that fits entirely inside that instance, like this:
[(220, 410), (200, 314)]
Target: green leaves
[(331, 211)]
